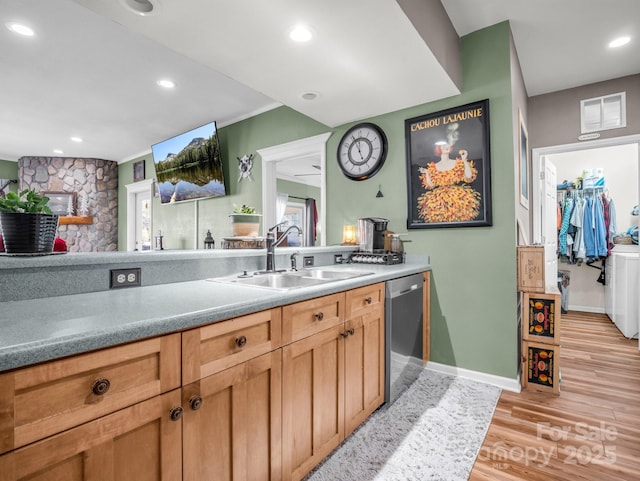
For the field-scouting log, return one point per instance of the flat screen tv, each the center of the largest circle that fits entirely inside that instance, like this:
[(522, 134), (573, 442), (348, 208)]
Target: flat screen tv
[(189, 166)]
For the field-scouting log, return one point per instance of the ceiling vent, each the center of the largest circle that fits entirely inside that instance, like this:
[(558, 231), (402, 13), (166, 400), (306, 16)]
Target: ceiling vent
[(603, 113)]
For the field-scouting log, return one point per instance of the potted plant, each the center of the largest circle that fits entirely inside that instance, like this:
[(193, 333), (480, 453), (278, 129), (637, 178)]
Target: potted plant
[(27, 223), (244, 221)]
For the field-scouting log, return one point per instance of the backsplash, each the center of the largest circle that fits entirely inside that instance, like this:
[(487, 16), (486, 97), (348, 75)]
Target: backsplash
[(95, 179)]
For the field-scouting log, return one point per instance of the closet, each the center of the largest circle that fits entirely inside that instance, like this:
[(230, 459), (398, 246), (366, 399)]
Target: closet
[(604, 205)]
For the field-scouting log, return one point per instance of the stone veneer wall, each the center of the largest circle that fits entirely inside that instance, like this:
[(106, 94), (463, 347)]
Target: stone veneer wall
[(95, 178)]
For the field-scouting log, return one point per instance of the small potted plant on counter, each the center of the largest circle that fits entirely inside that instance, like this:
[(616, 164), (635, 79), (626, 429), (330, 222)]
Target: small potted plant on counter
[(28, 226), (244, 221)]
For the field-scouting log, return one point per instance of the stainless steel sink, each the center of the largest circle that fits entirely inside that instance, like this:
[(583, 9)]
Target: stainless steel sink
[(286, 280)]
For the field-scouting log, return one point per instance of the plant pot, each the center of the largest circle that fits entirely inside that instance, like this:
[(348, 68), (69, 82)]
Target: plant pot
[(245, 225), (25, 233)]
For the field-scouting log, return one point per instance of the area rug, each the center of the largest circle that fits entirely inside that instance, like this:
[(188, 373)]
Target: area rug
[(433, 431)]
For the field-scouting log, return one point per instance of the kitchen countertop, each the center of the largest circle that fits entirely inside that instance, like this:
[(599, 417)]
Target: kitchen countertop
[(38, 330)]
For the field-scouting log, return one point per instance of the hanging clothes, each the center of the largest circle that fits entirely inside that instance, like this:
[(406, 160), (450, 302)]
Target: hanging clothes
[(564, 228), (577, 220)]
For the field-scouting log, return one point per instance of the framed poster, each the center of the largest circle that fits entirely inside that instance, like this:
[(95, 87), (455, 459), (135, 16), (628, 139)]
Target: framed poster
[(138, 171), (523, 156), (449, 168), (62, 203)]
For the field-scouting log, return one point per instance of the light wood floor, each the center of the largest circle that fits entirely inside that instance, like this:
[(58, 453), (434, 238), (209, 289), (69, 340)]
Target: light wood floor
[(590, 432)]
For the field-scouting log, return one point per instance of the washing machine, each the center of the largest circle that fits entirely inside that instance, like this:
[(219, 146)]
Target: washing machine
[(625, 283)]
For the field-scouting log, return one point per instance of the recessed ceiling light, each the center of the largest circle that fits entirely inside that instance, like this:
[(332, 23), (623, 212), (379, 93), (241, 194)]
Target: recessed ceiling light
[(309, 95), (76, 139), (58, 151), (441, 142), (20, 29), (166, 83), (142, 7), (300, 33), (619, 42)]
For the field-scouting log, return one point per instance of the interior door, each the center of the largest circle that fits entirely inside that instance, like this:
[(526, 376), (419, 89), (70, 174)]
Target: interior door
[(548, 184), (143, 221)]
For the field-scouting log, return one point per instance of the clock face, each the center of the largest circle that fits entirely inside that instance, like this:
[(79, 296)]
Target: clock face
[(362, 151)]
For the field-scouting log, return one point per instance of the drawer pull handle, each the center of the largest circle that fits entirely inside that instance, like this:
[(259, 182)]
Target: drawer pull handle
[(175, 413), (368, 300), (100, 386), (241, 341), (351, 332), (319, 316), (195, 403)]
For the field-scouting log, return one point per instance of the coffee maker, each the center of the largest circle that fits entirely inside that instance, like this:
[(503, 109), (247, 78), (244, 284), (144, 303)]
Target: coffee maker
[(371, 235), (371, 232)]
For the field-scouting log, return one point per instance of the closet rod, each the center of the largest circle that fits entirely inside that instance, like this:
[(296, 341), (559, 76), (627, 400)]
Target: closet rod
[(296, 197)]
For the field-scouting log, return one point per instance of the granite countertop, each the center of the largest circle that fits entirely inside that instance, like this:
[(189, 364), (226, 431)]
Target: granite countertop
[(38, 330)]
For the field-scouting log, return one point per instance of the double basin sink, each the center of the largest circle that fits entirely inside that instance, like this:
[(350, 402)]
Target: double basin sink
[(287, 280)]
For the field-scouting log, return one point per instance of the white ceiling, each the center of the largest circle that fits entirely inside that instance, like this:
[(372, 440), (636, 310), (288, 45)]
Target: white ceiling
[(91, 72)]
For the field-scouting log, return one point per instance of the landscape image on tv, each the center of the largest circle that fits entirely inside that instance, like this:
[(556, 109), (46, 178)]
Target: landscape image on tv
[(189, 166)]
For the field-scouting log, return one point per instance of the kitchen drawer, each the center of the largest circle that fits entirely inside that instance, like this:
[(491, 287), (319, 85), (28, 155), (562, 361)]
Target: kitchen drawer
[(213, 348), (306, 318), (364, 299), (45, 399)]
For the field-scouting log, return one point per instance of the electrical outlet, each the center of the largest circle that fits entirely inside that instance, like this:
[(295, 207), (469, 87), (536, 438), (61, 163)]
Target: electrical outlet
[(307, 261), (126, 277)]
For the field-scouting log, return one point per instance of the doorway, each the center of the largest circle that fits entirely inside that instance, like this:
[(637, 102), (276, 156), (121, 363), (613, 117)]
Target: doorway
[(619, 159), (139, 215)]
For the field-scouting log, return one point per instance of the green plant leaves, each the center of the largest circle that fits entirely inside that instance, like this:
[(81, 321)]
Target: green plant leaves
[(27, 201)]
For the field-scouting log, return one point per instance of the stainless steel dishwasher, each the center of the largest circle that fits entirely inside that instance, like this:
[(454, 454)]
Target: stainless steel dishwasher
[(403, 334)]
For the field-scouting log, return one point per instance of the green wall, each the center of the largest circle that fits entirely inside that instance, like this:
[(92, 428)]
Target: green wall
[(473, 290), (473, 296), (177, 221), (9, 170)]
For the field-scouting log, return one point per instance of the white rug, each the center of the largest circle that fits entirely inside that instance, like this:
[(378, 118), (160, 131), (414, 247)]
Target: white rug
[(432, 432)]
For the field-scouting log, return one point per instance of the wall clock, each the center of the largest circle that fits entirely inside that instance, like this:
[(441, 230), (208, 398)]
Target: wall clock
[(362, 151)]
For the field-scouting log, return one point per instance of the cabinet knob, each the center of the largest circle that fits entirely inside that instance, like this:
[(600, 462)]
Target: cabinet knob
[(368, 300), (344, 334), (195, 403), (241, 341), (100, 386), (319, 316), (351, 331), (175, 413)]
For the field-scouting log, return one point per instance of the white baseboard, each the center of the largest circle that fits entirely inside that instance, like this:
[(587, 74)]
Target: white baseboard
[(499, 381), (597, 310)]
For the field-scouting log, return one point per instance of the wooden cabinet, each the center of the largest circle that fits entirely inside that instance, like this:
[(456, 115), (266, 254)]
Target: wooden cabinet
[(261, 397), (312, 400), (364, 354), (232, 421), (140, 443), (332, 379), (42, 400)]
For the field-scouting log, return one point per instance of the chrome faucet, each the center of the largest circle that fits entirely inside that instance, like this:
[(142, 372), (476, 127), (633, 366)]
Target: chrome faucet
[(272, 242)]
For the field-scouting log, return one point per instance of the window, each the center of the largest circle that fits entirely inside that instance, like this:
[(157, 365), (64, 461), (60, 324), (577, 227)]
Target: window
[(603, 113)]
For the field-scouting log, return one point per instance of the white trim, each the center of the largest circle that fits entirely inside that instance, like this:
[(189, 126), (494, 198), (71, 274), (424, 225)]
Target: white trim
[(498, 381), (597, 310), (310, 146), (537, 153), (132, 190)]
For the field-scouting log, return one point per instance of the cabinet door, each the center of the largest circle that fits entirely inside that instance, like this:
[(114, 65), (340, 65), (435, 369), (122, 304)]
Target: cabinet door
[(232, 423), (364, 365), (138, 443), (313, 400)]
